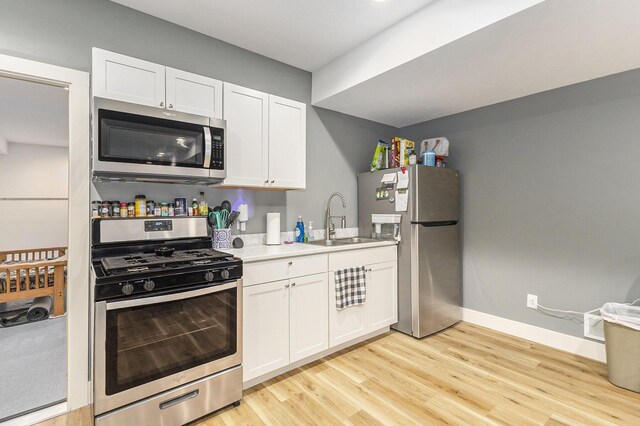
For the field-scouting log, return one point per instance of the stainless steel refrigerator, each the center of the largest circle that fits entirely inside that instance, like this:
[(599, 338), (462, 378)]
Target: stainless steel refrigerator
[(429, 252)]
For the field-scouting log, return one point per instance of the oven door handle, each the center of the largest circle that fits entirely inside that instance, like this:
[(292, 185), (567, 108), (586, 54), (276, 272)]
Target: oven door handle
[(207, 148), (169, 297)]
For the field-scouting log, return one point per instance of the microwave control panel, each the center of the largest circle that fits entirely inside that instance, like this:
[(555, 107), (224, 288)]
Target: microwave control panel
[(217, 149)]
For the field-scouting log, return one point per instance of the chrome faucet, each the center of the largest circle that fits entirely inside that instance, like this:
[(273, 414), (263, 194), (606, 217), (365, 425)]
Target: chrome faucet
[(330, 230)]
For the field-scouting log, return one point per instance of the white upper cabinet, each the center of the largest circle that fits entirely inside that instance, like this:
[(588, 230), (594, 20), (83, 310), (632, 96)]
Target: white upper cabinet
[(287, 143), (193, 94), (266, 140), (247, 113), (128, 79), (123, 78)]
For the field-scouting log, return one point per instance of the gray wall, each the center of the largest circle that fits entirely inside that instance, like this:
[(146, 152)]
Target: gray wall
[(62, 32), (551, 202)]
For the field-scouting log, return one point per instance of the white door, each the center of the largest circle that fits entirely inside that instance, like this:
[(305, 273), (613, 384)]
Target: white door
[(194, 94), (346, 324), (382, 295), (265, 328), (246, 112), (123, 78), (287, 143), (308, 322)]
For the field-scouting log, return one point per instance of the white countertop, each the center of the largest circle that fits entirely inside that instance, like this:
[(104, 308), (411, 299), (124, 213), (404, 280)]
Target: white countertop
[(258, 253)]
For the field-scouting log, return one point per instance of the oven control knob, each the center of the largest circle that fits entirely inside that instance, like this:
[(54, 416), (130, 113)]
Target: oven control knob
[(149, 285), (224, 274), (127, 288), (209, 276)]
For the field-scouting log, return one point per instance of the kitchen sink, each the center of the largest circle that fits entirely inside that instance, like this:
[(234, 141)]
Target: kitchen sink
[(342, 241)]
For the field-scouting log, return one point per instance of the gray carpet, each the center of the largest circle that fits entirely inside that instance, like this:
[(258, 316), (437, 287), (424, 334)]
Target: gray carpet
[(33, 366)]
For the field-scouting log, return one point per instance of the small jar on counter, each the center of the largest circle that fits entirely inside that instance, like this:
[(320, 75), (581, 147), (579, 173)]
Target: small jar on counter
[(164, 209), (131, 210), (157, 210), (115, 209), (141, 206), (172, 210), (124, 210), (151, 208), (96, 207)]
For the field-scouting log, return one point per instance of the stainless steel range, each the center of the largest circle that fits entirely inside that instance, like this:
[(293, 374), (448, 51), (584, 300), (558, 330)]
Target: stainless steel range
[(168, 322)]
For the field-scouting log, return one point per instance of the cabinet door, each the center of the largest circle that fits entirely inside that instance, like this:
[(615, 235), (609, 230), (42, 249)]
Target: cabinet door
[(308, 322), (123, 78), (194, 94), (382, 295), (265, 328), (287, 143), (346, 324), (246, 112)]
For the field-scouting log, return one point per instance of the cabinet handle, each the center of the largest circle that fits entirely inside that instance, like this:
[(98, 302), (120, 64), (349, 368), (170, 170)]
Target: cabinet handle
[(273, 181), (286, 286), (266, 181), (170, 105), (161, 104), (290, 263), (293, 284)]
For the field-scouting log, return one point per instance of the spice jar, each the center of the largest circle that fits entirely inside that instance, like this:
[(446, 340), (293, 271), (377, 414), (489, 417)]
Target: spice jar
[(164, 209), (157, 211), (150, 208), (124, 212), (96, 207), (141, 205), (172, 210), (106, 206), (115, 209), (131, 210)]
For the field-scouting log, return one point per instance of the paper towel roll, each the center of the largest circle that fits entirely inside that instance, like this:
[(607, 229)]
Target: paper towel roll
[(273, 229)]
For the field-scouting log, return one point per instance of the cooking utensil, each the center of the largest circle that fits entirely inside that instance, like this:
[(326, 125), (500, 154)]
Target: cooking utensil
[(217, 208), (211, 218), (232, 218), (226, 205), (224, 216)]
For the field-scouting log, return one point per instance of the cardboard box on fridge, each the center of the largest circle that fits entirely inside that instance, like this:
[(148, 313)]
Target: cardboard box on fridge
[(400, 150)]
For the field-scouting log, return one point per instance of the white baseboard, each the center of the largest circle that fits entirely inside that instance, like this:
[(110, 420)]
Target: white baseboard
[(564, 342), (38, 416)]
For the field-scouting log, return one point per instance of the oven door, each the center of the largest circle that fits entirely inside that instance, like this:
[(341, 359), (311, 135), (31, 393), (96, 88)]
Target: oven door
[(147, 345), (134, 142)]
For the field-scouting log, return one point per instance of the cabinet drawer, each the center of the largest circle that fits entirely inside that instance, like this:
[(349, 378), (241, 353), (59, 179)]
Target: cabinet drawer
[(360, 257), (281, 269)]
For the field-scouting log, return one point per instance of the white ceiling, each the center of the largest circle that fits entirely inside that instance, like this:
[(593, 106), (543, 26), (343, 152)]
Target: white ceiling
[(552, 44), (304, 33), (33, 113)]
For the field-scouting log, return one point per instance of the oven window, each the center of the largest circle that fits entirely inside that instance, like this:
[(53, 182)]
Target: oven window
[(146, 343), (131, 138)]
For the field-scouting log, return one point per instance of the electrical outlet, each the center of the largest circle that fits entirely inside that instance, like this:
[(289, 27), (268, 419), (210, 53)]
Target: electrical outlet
[(532, 301)]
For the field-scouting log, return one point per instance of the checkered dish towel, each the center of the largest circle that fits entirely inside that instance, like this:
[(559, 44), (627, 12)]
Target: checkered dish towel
[(350, 287)]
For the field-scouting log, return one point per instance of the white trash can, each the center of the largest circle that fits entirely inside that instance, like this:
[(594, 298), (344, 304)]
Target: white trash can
[(622, 343)]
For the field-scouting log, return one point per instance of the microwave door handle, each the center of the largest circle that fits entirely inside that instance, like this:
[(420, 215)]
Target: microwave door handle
[(169, 297), (207, 148)]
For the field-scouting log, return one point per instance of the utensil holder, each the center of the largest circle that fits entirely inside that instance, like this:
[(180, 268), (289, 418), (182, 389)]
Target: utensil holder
[(221, 239)]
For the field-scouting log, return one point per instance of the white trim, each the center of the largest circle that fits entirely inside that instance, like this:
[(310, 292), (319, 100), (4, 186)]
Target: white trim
[(77, 82), (564, 342), (38, 416)]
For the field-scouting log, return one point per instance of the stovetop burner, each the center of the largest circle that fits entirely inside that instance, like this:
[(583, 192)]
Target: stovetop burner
[(135, 263)]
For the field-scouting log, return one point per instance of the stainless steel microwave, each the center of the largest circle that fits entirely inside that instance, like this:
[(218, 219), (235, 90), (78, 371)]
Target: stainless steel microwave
[(141, 143)]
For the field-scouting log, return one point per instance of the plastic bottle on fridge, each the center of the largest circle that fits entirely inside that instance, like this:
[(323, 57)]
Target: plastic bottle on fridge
[(299, 230)]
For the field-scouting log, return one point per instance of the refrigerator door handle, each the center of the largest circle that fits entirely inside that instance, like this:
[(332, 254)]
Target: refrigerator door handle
[(437, 223)]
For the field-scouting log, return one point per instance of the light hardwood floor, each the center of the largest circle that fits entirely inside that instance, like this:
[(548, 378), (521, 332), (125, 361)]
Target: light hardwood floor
[(464, 375)]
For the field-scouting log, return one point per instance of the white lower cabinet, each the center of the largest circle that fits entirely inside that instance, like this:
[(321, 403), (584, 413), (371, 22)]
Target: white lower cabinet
[(284, 321), (379, 310), (308, 324), (293, 316), (265, 328)]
